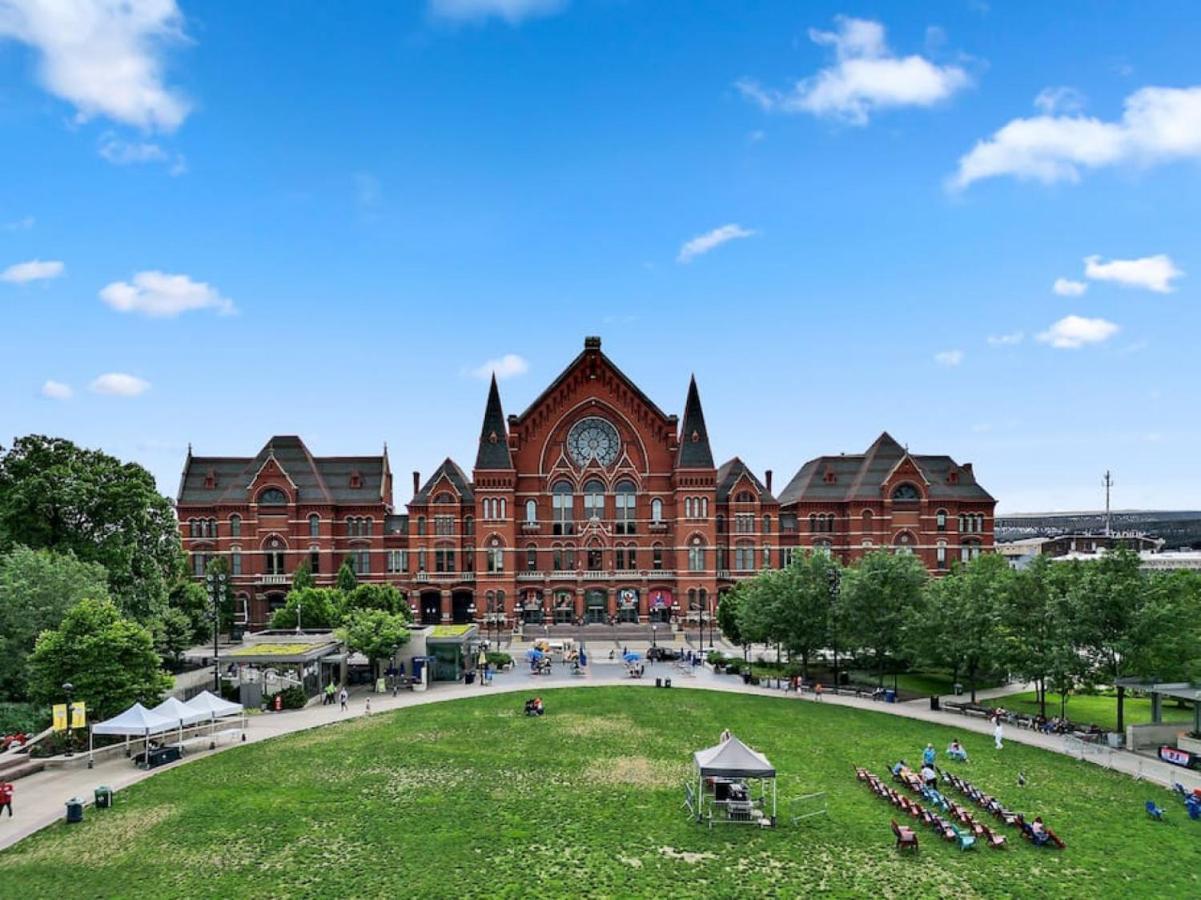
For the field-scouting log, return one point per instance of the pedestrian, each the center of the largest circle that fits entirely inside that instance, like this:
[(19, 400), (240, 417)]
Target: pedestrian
[(928, 755), (368, 710), (6, 798), (344, 698), (329, 694), (998, 732), (817, 691)]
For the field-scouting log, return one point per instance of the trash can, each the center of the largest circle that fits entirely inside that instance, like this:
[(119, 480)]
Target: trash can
[(104, 797), (74, 810), (667, 682), (469, 677), (658, 682), (958, 689), (934, 703), (890, 696)]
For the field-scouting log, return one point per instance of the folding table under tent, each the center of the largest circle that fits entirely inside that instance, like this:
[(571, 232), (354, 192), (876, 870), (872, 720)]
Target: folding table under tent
[(211, 707), (731, 761), (137, 721)]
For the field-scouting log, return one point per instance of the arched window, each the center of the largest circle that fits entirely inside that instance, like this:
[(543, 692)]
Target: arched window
[(744, 557), (469, 525), (623, 514), (421, 525), (656, 510), (969, 551), (767, 524), (273, 497), (594, 500), (235, 525), (235, 561), (979, 523), (941, 554), (561, 508), (657, 557), (444, 498), (688, 507), (273, 554), (314, 525), (496, 556), (940, 520), (962, 520), (903, 543), (906, 492), (696, 556), (531, 557), (362, 562), (531, 511), (812, 522), (744, 497)]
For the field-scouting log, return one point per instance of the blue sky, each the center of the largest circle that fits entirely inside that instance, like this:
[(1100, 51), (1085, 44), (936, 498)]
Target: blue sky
[(222, 221)]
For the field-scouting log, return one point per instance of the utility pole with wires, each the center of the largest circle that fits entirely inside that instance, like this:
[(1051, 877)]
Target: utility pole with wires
[(1108, 482)]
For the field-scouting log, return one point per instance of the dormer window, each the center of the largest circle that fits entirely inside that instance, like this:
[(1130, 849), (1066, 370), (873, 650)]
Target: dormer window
[(356, 480), (952, 477), (830, 477), (906, 492), (273, 497), (210, 480)]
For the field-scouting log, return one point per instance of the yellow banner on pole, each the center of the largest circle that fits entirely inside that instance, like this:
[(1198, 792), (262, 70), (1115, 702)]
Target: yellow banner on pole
[(79, 714), (59, 711)]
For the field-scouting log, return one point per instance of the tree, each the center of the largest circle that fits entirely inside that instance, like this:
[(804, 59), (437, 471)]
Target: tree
[(1169, 643), (804, 603), (877, 595), (37, 587), (302, 577), (191, 599), (217, 567), (56, 496), (728, 614), (976, 595), (109, 659), (346, 581), (375, 633), (378, 596), (173, 635), (317, 608), (1035, 628)]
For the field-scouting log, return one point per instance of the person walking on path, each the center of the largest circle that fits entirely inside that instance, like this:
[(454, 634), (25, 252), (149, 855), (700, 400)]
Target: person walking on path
[(329, 694), (817, 691), (368, 706), (998, 732), (344, 699), (6, 798)]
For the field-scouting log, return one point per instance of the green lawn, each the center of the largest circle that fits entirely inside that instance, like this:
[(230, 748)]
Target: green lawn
[(470, 798), (1097, 709)]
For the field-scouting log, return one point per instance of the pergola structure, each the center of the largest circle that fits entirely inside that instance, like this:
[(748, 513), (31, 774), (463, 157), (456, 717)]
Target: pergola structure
[(723, 791), (1177, 690)]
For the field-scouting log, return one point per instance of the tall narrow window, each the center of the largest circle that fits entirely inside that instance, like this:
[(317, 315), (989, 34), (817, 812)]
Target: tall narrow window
[(624, 513), (595, 559), (940, 520), (364, 564), (696, 556), (235, 525), (531, 511), (314, 525), (657, 557), (531, 558), (235, 561), (315, 560), (562, 502), (656, 510), (594, 500), (274, 553)]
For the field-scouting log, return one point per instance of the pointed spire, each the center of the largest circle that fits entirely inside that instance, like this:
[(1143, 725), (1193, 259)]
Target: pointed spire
[(694, 450), (494, 440)]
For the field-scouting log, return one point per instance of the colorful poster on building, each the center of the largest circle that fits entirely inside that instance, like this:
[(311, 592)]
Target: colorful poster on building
[(79, 714), (59, 711), (660, 598), (628, 598)]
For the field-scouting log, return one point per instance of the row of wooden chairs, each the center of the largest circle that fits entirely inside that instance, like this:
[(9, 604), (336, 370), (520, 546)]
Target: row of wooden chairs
[(1040, 837), (965, 834)]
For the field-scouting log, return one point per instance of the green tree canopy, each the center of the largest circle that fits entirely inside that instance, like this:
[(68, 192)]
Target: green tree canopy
[(172, 635), (302, 576), (56, 496), (877, 596), (37, 587), (378, 596), (318, 607), (728, 614), (346, 581), (375, 633), (109, 659)]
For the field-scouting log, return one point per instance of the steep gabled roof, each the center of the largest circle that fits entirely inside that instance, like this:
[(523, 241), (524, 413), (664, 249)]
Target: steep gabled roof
[(494, 440), (455, 475), (728, 475), (322, 479), (861, 475), (694, 452)]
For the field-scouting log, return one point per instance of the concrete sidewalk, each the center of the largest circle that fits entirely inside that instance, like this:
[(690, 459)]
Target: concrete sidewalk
[(40, 799)]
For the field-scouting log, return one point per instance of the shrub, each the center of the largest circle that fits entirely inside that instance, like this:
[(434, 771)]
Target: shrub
[(734, 666), (499, 659), (715, 658), (30, 718), (292, 697)]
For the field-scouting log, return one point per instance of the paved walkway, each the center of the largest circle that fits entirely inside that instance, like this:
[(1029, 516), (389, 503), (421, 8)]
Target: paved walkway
[(39, 799)]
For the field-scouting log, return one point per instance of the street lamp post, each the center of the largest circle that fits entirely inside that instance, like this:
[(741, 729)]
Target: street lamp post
[(69, 689), (216, 586)]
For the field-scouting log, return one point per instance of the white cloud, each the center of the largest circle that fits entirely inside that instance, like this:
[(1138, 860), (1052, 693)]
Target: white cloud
[(505, 367), (1158, 125), (1054, 100), (703, 243), (161, 295), (118, 384), (121, 152), (512, 11), (1006, 340), (1065, 287), (105, 57), (22, 224), (949, 357), (865, 78), (56, 390), (1072, 332), (33, 270), (1153, 273)]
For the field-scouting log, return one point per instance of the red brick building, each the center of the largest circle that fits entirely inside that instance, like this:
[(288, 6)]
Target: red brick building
[(592, 505)]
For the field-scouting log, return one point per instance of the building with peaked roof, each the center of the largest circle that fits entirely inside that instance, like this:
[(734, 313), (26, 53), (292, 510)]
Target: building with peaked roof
[(591, 505)]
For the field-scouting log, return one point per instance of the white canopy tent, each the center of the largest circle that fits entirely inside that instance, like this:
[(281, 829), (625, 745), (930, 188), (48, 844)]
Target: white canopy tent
[(211, 707), (175, 709), (732, 761), (137, 721)]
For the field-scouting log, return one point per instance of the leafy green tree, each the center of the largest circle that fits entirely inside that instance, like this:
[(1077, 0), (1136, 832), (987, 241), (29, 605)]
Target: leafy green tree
[(877, 595), (346, 581), (976, 594), (804, 603), (375, 633), (173, 635), (728, 614), (37, 587), (192, 600), (759, 615), (317, 607), (57, 496), (302, 577), (217, 567), (109, 659), (378, 596), (1036, 628)]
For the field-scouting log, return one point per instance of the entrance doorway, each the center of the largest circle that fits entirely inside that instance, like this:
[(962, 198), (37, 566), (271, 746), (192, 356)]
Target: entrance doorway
[(431, 607), (595, 612), (627, 605), (564, 608), (462, 607)]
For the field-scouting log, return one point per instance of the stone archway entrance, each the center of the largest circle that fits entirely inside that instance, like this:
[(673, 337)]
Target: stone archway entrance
[(462, 607), (564, 607), (595, 602), (627, 605), (431, 607)]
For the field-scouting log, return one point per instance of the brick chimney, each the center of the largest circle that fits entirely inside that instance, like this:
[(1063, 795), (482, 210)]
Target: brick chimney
[(416, 483), (767, 476)]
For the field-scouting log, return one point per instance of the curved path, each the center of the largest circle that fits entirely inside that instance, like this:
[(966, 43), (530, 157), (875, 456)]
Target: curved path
[(40, 799)]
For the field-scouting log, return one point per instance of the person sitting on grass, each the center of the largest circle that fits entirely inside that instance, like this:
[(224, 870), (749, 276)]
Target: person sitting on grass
[(955, 751), (929, 776)]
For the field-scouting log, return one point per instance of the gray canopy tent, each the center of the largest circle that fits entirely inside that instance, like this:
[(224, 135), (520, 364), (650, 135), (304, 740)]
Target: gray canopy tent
[(721, 772)]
